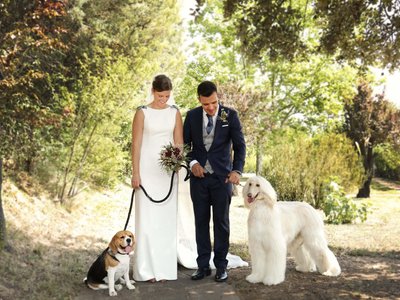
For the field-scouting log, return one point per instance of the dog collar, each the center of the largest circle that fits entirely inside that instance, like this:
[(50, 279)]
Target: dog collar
[(112, 254)]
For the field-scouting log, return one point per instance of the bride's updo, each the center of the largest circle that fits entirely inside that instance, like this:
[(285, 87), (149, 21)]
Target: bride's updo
[(162, 83)]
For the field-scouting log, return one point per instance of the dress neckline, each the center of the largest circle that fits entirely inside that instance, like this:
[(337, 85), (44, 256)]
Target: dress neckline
[(148, 106)]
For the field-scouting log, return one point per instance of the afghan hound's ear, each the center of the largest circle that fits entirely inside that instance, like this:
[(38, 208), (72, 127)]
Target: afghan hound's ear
[(268, 191), (245, 191)]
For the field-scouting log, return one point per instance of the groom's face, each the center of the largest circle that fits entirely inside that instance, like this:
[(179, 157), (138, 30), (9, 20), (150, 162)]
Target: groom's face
[(210, 103)]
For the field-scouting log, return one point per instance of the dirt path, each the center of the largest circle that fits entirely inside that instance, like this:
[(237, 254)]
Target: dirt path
[(369, 253), (361, 278), (389, 184)]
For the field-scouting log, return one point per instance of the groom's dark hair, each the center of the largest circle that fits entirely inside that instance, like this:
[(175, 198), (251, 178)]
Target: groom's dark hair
[(206, 88)]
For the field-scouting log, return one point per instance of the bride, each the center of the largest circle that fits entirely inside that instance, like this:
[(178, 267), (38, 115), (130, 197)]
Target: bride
[(165, 231)]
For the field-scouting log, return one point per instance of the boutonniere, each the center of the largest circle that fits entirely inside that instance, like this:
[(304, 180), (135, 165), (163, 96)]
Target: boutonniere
[(224, 116)]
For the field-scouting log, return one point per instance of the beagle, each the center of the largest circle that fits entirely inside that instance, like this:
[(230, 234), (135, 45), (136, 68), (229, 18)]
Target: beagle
[(112, 264)]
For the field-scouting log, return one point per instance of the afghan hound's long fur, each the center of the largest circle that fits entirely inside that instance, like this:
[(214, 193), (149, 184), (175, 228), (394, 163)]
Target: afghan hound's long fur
[(276, 228)]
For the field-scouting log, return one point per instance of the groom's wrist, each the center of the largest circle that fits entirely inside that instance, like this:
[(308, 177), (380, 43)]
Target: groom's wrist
[(192, 163), (240, 173)]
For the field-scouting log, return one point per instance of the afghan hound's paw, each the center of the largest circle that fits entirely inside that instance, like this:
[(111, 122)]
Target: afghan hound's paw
[(306, 269), (253, 278), (118, 287), (332, 273), (273, 281)]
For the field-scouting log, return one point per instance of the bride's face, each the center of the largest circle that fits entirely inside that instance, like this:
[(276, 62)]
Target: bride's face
[(161, 98)]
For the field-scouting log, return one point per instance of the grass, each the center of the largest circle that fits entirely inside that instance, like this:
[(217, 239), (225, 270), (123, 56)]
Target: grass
[(55, 246), (378, 234)]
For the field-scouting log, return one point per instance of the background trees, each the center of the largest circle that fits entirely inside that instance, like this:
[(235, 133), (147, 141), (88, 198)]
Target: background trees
[(369, 121), (72, 73), (35, 42), (300, 68), (362, 32)]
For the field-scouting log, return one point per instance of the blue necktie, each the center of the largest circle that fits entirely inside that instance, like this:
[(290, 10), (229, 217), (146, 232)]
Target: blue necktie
[(209, 126)]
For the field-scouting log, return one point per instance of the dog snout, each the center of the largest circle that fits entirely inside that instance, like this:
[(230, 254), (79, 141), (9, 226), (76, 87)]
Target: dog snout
[(249, 194), (128, 240)]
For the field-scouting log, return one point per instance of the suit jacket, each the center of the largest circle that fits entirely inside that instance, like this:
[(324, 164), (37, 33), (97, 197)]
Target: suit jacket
[(227, 136)]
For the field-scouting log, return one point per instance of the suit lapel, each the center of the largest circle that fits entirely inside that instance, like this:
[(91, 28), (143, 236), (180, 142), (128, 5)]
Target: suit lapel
[(199, 125)]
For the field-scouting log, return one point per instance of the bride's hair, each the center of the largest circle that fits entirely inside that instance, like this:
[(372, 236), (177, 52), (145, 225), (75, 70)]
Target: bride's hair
[(162, 83)]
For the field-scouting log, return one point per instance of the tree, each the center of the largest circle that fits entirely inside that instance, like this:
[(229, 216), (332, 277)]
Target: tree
[(364, 32), (34, 42), (269, 94), (270, 28), (71, 67), (369, 121), (124, 44)]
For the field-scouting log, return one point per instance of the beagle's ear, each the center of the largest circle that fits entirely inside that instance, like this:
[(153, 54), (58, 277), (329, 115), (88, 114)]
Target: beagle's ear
[(113, 245)]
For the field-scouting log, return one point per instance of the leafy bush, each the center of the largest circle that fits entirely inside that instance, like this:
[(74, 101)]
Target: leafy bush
[(299, 166), (340, 209), (387, 161), (250, 164)]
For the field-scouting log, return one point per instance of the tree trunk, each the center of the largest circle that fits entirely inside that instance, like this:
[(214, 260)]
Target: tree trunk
[(72, 191), (61, 193), (3, 236), (365, 191), (29, 161)]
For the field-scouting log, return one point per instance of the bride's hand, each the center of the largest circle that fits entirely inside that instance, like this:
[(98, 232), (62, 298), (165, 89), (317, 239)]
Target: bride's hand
[(135, 181)]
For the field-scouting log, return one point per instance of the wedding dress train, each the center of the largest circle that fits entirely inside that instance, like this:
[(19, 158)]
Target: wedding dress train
[(187, 250)]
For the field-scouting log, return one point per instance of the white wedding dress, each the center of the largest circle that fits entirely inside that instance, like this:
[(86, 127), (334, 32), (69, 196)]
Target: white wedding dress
[(165, 233), (155, 223)]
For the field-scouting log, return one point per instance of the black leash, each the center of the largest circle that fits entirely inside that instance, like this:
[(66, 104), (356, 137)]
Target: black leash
[(150, 198)]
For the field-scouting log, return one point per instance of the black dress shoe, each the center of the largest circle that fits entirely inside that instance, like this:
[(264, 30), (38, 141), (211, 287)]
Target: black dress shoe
[(201, 273), (221, 275)]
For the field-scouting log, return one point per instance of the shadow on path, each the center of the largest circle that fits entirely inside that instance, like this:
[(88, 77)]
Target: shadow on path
[(183, 288)]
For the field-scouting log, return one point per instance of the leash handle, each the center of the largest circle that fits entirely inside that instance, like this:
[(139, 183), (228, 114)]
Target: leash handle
[(150, 198)]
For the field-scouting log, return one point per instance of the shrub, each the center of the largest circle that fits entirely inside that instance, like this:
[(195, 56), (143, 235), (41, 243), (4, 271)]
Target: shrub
[(387, 162), (340, 209), (299, 166)]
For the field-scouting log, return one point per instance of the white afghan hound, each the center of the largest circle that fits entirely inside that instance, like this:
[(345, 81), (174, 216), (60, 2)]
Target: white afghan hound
[(275, 228)]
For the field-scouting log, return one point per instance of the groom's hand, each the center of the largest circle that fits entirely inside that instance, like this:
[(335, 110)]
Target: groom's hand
[(233, 177), (198, 170)]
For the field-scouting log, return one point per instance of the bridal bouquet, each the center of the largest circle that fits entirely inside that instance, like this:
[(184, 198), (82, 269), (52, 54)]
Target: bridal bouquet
[(172, 157)]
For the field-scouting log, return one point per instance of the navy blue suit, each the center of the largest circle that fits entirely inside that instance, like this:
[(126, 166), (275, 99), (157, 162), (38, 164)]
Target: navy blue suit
[(212, 191)]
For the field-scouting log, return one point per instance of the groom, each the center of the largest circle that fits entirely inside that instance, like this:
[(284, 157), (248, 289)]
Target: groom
[(212, 131)]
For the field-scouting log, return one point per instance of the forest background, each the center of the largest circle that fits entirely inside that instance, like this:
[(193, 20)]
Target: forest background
[(301, 74)]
